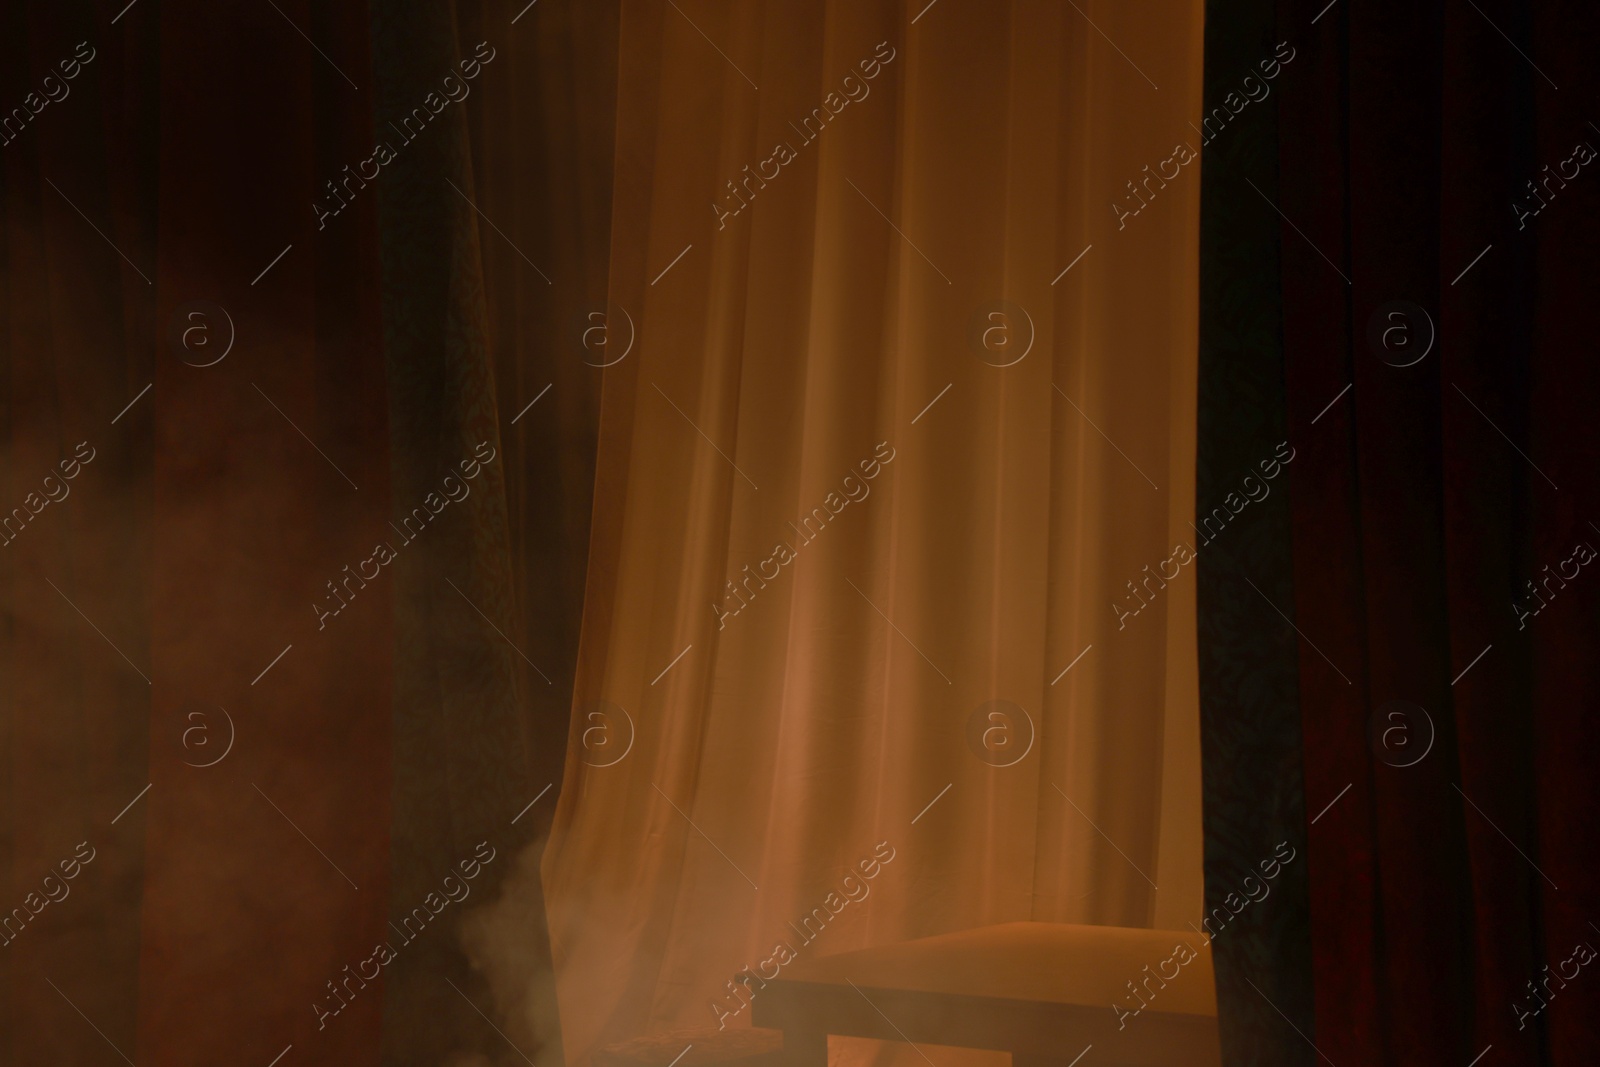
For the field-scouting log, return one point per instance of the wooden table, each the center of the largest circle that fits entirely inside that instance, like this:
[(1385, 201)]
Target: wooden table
[(1042, 991)]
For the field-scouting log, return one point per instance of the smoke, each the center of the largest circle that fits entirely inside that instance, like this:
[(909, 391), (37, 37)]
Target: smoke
[(505, 942)]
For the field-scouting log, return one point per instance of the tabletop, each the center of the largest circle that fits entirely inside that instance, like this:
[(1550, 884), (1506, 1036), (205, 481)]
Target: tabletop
[(1046, 992)]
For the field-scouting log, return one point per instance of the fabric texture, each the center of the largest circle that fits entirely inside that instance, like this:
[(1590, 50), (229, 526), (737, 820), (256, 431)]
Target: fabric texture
[(1249, 688), (215, 557), (1424, 171), (814, 565), (494, 229), (76, 345)]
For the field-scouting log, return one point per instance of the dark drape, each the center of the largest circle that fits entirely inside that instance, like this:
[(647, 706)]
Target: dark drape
[(169, 692), (213, 557), (494, 231), (77, 343), (1253, 802), (265, 871), (1417, 309)]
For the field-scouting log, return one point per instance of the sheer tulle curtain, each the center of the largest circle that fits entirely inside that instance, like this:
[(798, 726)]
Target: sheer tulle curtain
[(925, 398)]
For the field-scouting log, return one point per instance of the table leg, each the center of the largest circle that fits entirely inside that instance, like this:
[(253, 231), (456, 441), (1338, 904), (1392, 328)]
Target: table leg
[(805, 1048)]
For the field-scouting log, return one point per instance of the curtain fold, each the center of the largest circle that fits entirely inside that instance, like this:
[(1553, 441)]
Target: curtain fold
[(76, 345), (271, 485), (494, 222), (886, 451), (207, 286), (1251, 741), (1421, 254)]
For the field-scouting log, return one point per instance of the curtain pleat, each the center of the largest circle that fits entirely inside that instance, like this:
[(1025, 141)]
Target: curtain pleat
[(75, 348), (1425, 268), (798, 325), (1251, 741), (199, 592), (494, 229), (271, 487)]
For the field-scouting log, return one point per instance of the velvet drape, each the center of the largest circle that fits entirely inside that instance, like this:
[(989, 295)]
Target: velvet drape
[(207, 590), (77, 341), (494, 233), (1408, 288)]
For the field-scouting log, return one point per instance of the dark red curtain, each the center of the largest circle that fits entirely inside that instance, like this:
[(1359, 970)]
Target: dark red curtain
[(77, 340), (357, 737), (1422, 318)]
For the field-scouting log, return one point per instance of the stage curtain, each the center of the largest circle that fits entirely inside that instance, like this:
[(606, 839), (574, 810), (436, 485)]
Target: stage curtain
[(76, 345), (831, 527), (173, 697), (210, 557), (266, 871), (1412, 310), (494, 227)]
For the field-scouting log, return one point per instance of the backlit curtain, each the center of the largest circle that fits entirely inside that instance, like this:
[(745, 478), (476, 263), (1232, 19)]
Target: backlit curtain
[(897, 422)]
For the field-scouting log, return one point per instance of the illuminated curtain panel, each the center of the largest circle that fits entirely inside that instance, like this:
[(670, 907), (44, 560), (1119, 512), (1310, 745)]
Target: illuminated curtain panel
[(892, 567)]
